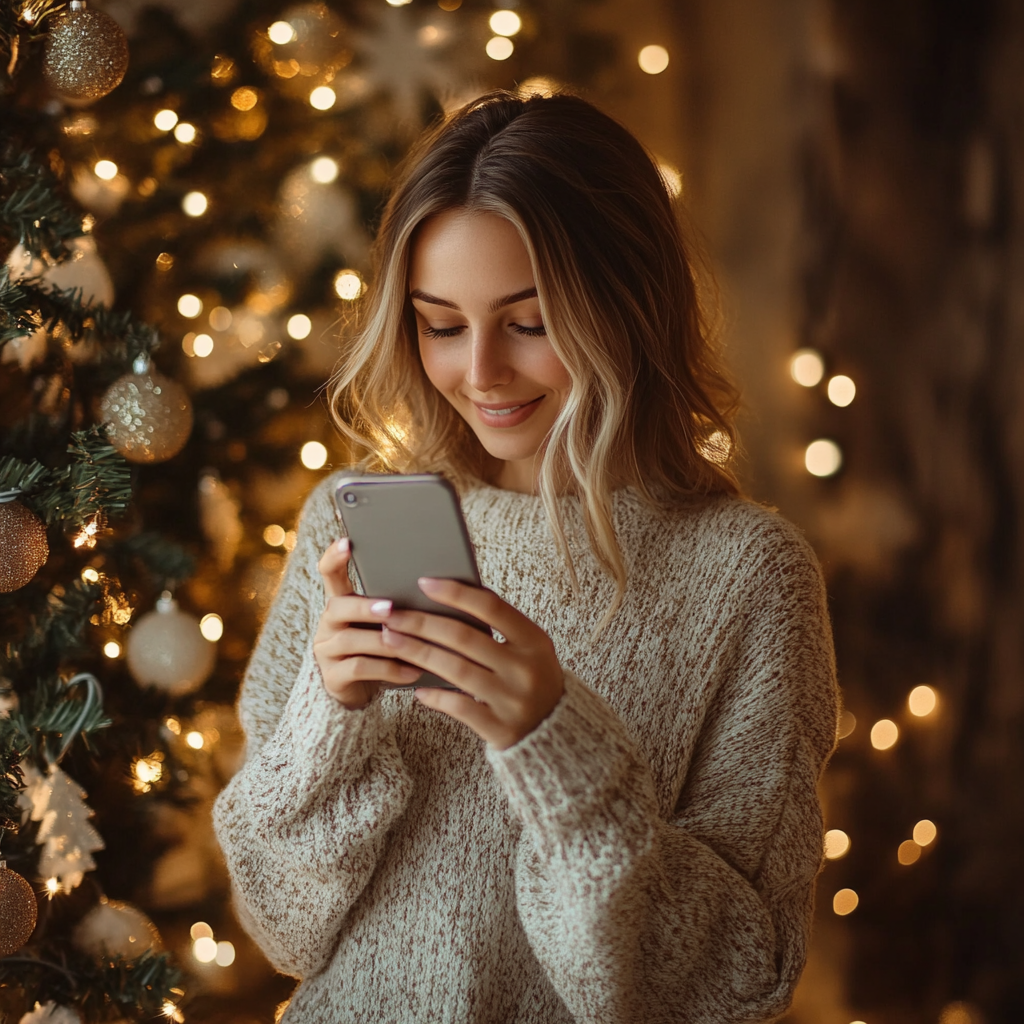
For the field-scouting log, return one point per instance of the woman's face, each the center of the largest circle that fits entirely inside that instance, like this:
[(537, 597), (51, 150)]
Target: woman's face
[(482, 339)]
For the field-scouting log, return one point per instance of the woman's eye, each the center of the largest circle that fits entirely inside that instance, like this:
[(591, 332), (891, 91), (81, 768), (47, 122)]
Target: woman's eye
[(439, 332), (530, 332)]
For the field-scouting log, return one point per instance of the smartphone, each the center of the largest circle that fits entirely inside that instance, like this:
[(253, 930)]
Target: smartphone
[(402, 527)]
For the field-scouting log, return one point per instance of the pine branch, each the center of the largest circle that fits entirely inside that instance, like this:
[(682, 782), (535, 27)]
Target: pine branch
[(57, 634), (165, 562), (54, 710), (14, 745), (17, 316)]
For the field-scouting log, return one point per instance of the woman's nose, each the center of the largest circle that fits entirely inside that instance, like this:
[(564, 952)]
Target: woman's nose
[(488, 367)]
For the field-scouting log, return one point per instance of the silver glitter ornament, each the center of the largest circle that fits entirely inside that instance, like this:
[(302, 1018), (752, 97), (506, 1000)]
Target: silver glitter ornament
[(148, 416), (86, 53)]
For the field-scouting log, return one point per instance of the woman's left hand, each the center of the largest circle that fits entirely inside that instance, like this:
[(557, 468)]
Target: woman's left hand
[(507, 689)]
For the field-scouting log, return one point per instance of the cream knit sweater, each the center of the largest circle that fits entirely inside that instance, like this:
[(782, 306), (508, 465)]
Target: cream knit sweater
[(646, 855)]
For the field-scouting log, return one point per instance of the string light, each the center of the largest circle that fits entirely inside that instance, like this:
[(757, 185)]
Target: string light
[(165, 120), (925, 832), (841, 390), (884, 734), (499, 47), (105, 169), (322, 97), (86, 537), (195, 204), (90, 575), (837, 844), (202, 345), (313, 455), (185, 132), (299, 326), (348, 285), (281, 32), (189, 305), (274, 535), (505, 23), (204, 949), (323, 170), (195, 740), (922, 701), (112, 649), (146, 771), (845, 902), (653, 59), (807, 367), (823, 458), (211, 626)]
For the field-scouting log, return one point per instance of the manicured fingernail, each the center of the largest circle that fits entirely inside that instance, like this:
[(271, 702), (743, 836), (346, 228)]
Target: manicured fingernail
[(427, 584), (381, 608), (343, 543)]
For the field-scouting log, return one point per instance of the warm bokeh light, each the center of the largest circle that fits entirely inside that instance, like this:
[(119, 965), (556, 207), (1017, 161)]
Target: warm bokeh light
[(884, 734), (322, 97), (164, 262), (845, 902), (146, 771), (195, 204), (274, 535), (922, 701), (499, 47), (837, 843), (505, 23), (225, 954), (925, 832), (220, 318), (202, 345), (324, 170), (807, 367), (313, 455), (244, 98), (653, 59), (204, 949), (173, 724), (90, 575), (398, 3), (289, 540), (909, 852), (823, 457), (348, 285), (105, 169), (112, 649), (165, 120), (195, 740), (847, 723), (841, 390), (298, 327), (211, 626), (52, 886), (959, 1013), (189, 305), (200, 930), (281, 33), (185, 132)]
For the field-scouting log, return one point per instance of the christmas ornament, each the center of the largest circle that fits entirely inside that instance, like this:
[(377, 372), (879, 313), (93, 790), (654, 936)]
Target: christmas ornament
[(308, 47), (23, 547), (17, 910), (57, 802), (167, 649), (51, 1013), (148, 416), (86, 53), (112, 928)]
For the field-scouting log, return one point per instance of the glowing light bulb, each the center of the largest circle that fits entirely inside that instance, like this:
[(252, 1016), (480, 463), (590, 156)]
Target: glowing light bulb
[(925, 832), (922, 701), (185, 132), (499, 47), (653, 59), (281, 32), (202, 345), (323, 170), (189, 305), (807, 367), (823, 458), (299, 326), (322, 97), (105, 169), (505, 23), (211, 626), (204, 949), (90, 575), (313, 455), (841, 390), (195, 740), (837, 844), (884, 734), (845, 902), (165, 120), (348, 285), (112, 649), (195, 204)]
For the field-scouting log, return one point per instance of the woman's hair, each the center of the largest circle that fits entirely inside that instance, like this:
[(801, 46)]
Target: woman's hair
[(649, 405)]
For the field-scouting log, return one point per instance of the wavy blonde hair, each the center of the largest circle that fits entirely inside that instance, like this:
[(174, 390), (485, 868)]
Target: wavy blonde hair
[(650, 405)]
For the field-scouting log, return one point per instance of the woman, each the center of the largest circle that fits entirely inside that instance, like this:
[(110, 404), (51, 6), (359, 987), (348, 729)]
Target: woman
[(615, 820)]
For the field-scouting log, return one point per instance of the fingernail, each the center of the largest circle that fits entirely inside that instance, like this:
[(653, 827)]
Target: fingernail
[(381, 608), (427, 584), (343, 543)]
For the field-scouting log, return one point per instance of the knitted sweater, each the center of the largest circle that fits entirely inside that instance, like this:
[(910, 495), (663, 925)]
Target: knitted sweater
[(646, 854)]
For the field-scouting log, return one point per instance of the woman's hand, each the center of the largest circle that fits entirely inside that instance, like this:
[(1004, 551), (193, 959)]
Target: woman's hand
[(352, 661), (508, 689)]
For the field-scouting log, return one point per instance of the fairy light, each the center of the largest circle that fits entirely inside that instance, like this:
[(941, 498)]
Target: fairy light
[(841, 390), (204, 949), (499, 47), (211, 626), (837, 844), (281, 32), (653, 59), (823, 458), (348, 285), (313, 455), (324, 170), (322, 97), (845, 902), (244, 98), (807, 367), (173, 725), (165, 120), (112, 649), (189, 305), (884, 734), (171, 1011), (202, 345), (185, 132), (274, 535), (147, 771), (505, 23), (195, 204), (225, 955), (105, 169), (925, 832), (90, 575), (86, 537), (299, 326), (922, 701), (195, 740), (52, 887)]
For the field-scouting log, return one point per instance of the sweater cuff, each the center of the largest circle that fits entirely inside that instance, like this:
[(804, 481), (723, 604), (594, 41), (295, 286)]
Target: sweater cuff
[(579, 764)]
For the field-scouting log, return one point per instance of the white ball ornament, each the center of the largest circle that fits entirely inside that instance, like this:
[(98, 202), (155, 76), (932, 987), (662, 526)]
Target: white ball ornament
[(166, 649), (112, 928), (51, 1013)]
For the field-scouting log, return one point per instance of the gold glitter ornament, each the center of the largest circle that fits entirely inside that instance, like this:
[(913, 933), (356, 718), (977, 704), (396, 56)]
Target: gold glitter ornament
[(167, 649), (23, 547), (18, 910), (86, 53), (148, 416)]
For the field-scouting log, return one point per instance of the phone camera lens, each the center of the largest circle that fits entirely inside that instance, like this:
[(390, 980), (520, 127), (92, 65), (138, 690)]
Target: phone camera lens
[(350, 498)]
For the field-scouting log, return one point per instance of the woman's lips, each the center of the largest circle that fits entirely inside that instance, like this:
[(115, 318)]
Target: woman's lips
[(494, 416)]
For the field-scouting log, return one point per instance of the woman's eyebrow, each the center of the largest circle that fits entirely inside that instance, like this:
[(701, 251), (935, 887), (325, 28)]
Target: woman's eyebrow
[(507, 300)]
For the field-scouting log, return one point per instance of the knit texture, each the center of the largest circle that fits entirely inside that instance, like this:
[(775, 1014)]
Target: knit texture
[(647, 854)]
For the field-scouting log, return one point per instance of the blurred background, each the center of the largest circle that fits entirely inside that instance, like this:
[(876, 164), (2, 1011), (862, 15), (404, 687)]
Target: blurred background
[(854, 174)]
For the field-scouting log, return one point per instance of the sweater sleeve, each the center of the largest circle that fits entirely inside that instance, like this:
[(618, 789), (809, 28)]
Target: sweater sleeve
[(700, 912), (303, 822)]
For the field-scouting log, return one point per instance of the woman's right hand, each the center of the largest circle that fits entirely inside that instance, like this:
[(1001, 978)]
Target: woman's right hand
[(353, 662)]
